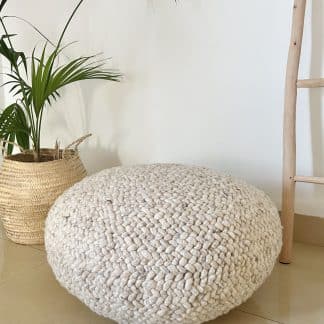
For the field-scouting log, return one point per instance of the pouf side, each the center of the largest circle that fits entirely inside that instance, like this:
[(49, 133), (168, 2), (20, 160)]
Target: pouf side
[(162, 243)]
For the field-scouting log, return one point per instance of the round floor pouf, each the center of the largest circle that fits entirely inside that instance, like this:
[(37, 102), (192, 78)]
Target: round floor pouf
[(162, 243)]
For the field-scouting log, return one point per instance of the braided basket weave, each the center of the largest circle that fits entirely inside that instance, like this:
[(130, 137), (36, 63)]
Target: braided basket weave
[(28, 190)]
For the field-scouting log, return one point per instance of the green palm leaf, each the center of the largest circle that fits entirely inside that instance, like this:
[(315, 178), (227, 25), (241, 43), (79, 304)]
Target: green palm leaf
[(15, 58), (18, 84), (2, 4), (46, 80), (14, 126)]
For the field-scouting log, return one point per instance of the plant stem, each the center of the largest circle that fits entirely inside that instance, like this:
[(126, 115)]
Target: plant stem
[(39, 127)]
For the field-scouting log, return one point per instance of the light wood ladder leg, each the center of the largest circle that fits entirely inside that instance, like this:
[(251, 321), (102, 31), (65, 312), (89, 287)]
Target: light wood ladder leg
[(289, 162)]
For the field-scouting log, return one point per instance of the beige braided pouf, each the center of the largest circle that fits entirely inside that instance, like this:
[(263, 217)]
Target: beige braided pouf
[(163, 243)]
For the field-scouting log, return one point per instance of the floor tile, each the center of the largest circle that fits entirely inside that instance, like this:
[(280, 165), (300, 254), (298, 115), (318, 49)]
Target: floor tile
[(40, 247), (294, 294), (237, 317), (15, 259), (37, 298)]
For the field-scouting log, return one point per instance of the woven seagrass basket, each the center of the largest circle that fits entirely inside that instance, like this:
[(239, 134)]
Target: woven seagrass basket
[(28, 189)]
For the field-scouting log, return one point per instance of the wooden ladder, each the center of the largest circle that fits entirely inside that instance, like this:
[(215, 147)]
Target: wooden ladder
[(289, 163)]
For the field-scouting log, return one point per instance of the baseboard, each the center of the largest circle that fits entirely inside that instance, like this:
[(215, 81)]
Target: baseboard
[(309, 229)]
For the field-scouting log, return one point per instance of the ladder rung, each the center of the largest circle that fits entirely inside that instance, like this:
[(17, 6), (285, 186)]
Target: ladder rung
[(310, 83), (317, 180)]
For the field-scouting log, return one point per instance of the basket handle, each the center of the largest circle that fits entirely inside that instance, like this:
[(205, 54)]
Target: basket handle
[(76, 143), (3, 141)]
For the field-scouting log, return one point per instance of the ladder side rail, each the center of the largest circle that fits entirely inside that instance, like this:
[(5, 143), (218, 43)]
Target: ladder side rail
[(289, 136)]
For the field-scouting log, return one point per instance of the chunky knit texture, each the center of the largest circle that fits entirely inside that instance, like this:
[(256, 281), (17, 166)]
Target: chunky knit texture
[(162, 243)]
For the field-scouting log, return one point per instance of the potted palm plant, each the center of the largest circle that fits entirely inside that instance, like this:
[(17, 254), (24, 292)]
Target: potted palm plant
[(31, 180)]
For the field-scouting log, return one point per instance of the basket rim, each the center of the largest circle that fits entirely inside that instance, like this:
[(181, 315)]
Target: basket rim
[(10, 159)]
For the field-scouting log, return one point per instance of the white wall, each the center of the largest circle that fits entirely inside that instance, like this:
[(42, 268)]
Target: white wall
[(203, 85)]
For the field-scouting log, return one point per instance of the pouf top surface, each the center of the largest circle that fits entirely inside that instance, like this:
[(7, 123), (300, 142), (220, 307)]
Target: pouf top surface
[(162, 243)]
